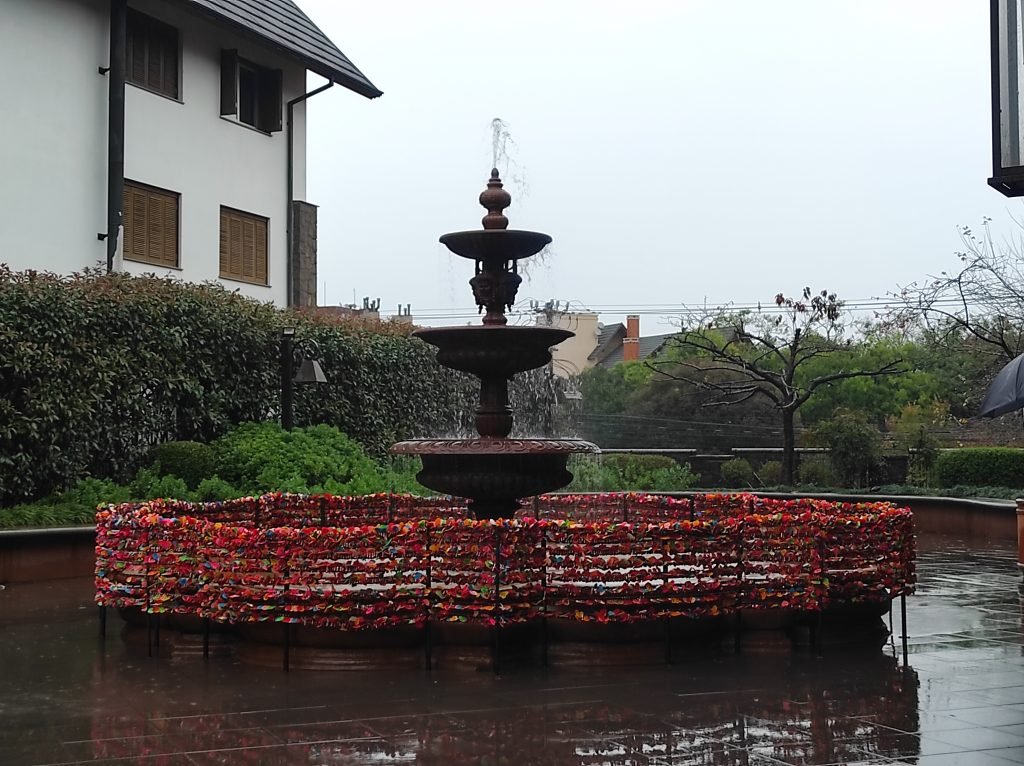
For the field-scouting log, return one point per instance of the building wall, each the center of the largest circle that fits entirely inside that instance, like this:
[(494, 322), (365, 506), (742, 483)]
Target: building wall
[(570, 356), (53, 140), (54, 150)]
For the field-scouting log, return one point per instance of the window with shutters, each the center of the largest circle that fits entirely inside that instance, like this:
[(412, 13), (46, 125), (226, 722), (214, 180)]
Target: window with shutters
[(243, 246), (152, 59), (150, 225), (250, 93)]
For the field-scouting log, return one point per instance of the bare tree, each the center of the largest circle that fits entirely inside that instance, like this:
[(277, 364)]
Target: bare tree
[(983, 300), (739, 356)]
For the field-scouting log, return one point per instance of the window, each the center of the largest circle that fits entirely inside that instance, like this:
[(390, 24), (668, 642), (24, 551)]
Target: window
[(152, 56), (250, 93), (150, 225), (243, 246)]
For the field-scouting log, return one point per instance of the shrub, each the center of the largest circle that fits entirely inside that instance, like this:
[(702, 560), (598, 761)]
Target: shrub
[(262, 457), (169, 487), (215, 489), (770, 473), (46, 514), (401, 475), (588, 475), (93, 368), (855, 446), (737, 473), (90, 493), (815, 471), (190, 461), (981, 466), (646, 472)]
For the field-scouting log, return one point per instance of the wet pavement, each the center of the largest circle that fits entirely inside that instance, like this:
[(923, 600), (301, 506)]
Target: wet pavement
[(67, 697)]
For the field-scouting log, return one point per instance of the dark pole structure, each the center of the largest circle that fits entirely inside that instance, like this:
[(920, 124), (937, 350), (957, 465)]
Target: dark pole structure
[(290, 185), (115, 125), (287, 378)]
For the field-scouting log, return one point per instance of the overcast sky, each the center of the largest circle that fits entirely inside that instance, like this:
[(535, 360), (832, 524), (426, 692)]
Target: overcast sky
[(677, 150)]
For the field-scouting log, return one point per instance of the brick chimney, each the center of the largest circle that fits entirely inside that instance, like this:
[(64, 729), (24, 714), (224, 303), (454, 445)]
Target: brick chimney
[(631, 343)]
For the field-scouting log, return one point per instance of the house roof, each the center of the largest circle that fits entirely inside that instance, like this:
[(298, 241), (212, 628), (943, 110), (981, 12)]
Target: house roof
[(283, 25), (649, 346), (607, 338)]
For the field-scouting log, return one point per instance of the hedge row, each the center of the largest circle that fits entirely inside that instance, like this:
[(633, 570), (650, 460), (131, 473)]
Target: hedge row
[(981, 466), (97, 369)]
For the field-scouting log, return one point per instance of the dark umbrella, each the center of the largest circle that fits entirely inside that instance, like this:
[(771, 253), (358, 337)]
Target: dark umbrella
[(1006, 394)]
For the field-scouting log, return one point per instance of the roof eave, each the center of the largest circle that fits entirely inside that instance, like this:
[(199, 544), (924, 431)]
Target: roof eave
[(367, 89), (344, 79)]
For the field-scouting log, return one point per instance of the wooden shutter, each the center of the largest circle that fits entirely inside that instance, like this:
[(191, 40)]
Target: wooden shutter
[(150, 225), (152, 54), (243, 246), (229, 82)]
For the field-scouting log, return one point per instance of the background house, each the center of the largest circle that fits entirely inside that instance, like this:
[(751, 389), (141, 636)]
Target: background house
[(623, 343), (595, 344), (211, 161)]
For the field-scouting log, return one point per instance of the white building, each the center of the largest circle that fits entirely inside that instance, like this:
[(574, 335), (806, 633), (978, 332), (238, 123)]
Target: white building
[(210, 167)]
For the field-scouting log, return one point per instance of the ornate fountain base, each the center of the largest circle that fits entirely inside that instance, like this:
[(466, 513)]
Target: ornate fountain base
[(494, 473)]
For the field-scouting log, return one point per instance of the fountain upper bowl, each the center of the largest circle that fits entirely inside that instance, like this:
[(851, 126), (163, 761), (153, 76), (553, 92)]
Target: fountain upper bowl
[(495, 244)]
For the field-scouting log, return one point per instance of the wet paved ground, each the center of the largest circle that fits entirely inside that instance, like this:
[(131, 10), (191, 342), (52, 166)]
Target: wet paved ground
[(67, 698)]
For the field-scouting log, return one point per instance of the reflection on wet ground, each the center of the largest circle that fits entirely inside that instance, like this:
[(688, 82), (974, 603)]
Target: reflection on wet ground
[(66, 697)]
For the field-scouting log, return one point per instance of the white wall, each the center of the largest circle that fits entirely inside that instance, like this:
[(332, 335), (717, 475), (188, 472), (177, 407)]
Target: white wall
[(53, 144), (54, 148), (570, 356)]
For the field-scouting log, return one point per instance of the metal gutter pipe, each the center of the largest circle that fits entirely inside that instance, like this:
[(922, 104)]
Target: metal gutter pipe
[(115, 125)]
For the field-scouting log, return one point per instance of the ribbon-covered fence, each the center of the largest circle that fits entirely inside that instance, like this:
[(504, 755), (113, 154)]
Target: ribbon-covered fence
[(355, 563)]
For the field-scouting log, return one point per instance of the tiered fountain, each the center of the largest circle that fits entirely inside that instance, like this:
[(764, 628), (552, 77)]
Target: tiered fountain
[(494, 471)]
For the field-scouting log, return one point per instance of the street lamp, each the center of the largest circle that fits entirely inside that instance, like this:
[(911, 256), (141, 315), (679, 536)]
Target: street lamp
[(1007, 109), (309, 372)]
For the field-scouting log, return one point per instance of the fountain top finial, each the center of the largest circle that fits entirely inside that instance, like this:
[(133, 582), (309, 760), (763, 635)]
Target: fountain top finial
[(495, 199)]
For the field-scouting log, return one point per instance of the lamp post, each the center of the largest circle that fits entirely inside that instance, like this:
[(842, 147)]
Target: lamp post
[(309, 372), (1007, 110)]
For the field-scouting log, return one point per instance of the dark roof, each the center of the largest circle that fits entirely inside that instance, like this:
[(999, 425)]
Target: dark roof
[(607, 337), (649, 346), (283, 25)]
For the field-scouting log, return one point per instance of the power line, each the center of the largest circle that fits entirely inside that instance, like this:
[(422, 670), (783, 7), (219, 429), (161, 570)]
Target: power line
[(655, 309)]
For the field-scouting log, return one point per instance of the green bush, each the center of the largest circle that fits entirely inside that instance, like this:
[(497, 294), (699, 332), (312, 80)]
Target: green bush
[(737, 473), (262, 457), (588, 475), (93, 368), (190, 461), (854, 444), (215, 489), (815, 471), (90, 493), (770, 473), (169, 488), (401, 475), (981, 466), (634, 473)]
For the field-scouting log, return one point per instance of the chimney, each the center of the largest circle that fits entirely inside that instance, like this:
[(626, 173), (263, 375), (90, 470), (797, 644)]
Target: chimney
[(631, 343)]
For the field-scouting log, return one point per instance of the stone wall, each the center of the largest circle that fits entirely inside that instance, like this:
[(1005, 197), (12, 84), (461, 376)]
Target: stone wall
[(303, 265)]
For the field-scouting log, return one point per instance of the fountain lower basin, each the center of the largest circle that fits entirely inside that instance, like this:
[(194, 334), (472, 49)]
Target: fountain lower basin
[(494, 473)]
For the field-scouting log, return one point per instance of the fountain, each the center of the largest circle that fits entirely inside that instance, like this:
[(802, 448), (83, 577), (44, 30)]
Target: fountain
[(494, 471), (344, 582)]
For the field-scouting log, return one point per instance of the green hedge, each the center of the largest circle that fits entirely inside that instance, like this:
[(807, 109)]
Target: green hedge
[(96, 369), (981, 466), (191, 461), (257, 458), (628, 473)]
